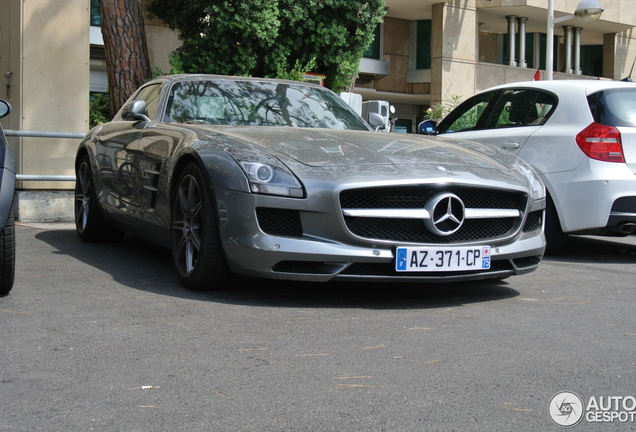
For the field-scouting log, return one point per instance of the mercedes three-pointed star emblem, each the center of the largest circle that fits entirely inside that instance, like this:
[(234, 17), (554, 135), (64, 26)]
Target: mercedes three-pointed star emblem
[(446, 212)]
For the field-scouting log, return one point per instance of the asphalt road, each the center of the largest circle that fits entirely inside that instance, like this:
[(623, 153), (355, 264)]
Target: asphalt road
[(102, 337)]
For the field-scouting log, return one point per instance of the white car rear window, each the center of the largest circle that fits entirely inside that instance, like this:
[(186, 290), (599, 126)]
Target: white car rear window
[(614, 107)]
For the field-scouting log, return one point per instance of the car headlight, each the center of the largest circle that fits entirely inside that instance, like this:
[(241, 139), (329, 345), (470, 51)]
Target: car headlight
[(266, 174), (538, 188)]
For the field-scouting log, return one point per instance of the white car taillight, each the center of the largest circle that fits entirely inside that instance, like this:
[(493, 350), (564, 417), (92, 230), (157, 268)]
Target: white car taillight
[(601, 142)]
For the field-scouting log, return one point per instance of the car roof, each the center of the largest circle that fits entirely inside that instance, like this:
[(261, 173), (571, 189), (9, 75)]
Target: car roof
[(203, 77), (557, 86)]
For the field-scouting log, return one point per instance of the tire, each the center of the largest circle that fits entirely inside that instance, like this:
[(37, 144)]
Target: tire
[(556, 239), (197, 253), (7, 255), (89, 222)]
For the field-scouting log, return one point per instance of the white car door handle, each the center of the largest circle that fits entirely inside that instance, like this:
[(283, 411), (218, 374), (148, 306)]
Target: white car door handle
[(511, 145)]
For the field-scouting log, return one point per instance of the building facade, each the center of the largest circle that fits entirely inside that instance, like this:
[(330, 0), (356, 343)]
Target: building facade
[(425, 52), (429, 52)]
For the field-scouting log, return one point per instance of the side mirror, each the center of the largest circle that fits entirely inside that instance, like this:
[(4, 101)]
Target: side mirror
[(137, 111), (5, 108), (376, 121), (427, 127)]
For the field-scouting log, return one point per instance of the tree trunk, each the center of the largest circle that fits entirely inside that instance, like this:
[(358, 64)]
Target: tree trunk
[(127, 62)]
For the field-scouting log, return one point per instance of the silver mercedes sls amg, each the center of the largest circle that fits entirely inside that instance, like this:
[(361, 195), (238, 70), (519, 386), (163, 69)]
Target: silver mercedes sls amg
[(282, 179)]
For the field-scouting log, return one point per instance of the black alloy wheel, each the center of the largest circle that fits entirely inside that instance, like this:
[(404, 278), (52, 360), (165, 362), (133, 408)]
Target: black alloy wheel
[(197, 252)]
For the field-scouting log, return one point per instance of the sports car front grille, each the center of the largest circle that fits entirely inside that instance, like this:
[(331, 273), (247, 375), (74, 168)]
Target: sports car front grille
[(415, 197), (412, 230)]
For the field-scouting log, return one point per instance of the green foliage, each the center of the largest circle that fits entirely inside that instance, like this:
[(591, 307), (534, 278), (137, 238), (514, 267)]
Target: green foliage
[(271, 38), (440, 110), (99, 109), (297, 73), (157, 73), (467, 121)]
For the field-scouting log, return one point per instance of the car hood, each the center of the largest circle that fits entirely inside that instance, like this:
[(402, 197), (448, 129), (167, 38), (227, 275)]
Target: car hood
[(401, 155), (328, 147)]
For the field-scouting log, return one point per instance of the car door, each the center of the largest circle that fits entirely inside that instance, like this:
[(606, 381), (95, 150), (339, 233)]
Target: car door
[(159, 141), (516, 116), (117, 152), (511, 117), (115, 160)]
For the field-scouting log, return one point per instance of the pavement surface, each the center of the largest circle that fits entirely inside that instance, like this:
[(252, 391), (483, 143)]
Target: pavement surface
[(102, 337)]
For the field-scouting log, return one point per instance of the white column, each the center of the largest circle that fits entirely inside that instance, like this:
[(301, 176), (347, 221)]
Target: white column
[(549, 50), (522, 42), (512, 42), (577, 50), (567, 31)]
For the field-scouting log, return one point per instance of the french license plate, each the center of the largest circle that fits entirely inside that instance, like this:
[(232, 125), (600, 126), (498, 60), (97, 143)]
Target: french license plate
[(442, 259)]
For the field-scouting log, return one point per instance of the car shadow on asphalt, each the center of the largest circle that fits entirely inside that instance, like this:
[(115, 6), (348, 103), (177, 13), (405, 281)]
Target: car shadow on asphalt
[(597, 250), (141, 265)]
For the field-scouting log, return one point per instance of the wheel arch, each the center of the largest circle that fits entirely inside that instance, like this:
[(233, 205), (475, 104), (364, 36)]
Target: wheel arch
[(549, 192), (85, 149), (219, 169), (181, 163), (87, 146), (81, 152)]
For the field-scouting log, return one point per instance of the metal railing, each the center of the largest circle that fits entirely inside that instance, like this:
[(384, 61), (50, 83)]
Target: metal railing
[(36, 134)]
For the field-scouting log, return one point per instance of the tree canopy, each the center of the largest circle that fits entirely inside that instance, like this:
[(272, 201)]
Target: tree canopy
[(271, 38)]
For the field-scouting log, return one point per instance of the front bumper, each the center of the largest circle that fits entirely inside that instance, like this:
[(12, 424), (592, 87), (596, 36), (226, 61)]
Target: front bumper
[(321, 261), (315, 258)]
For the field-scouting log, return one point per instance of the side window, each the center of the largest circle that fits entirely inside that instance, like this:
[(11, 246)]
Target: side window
[(522, 107), (546, 103), (469, 115), (150, 95)]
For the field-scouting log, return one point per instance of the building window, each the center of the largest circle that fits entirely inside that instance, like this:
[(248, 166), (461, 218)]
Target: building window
[(96, 19), (592, 60), (529, 54), (373, 51), (423, 41)]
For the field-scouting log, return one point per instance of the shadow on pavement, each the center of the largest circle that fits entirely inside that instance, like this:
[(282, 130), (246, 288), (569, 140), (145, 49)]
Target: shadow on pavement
[(597, 250), (143, 266)]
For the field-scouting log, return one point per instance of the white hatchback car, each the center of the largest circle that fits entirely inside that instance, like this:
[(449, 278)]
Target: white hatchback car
[(579, 135)]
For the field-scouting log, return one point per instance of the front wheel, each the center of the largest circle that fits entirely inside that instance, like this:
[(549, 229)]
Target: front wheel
[(89, 222), (197, 253), (7, 255)]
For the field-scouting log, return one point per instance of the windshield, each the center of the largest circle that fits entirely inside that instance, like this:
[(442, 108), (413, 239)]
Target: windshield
[(259, 103)]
